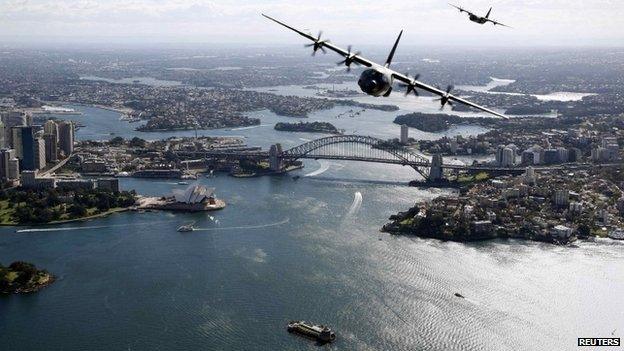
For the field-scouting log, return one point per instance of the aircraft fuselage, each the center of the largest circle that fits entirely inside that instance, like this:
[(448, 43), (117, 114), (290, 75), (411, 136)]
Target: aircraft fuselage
[(375, 81), (477, 19)]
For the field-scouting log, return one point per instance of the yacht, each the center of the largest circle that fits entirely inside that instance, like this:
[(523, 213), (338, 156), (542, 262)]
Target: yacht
[(186, 228)]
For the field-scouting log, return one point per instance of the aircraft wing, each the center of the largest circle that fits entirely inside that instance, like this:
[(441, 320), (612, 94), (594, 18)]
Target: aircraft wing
[(326, 44), (498, 23), (462, 10), (403, 78)]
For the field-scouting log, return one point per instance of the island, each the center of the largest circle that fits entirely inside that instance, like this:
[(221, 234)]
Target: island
[(23, 277), (310, 127), (436, 122)]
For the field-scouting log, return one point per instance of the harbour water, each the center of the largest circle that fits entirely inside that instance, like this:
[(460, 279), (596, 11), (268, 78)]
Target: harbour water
[(307, 249)]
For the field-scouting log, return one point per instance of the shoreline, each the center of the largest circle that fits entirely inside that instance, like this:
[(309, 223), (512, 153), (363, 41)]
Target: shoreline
[(65, 221)]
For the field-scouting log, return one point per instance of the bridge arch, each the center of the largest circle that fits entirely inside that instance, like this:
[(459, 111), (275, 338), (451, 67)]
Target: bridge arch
[(375, 150)]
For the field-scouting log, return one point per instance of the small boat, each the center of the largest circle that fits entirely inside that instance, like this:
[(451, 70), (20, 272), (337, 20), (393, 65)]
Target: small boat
[(183, 183), (296, 177), (459, 295), (321, 333), (186, 228)]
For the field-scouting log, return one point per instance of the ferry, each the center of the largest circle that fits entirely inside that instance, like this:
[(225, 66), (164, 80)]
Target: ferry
[(186, 228), (319, 332)]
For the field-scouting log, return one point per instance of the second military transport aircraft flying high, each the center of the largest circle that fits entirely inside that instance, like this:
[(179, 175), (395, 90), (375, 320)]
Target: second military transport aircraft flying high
[(377, 79), (479, 19)]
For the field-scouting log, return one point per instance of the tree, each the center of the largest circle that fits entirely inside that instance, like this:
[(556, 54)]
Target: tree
[(137, 142), (77, 210), (116, 141)]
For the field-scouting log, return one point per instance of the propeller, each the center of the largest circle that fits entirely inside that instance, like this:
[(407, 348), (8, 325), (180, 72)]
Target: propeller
[(411, 86), (318, 44), (349, 59), (444, 99)]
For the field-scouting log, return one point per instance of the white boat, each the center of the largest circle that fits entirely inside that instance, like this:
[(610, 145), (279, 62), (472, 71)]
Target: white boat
[(186, 228), (183, 183)]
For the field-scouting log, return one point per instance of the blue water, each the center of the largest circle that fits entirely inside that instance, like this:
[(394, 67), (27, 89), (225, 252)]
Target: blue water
[(307, 249)]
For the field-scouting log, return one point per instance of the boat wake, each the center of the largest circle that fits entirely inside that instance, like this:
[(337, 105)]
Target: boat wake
[(62, 229), (260, 226), (250, 127), (355, 206), (324, 168)]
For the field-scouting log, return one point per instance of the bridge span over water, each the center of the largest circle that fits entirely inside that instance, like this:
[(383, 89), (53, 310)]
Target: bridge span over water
[(353, 148)]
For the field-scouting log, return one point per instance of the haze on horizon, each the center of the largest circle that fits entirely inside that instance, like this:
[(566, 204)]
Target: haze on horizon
[(358, 22)]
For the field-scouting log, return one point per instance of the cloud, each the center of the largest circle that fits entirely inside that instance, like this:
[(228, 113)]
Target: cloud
[(425, 21)]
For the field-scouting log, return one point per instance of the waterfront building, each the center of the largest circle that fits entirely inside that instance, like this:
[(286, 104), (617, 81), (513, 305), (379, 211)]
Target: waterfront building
[(30, 179), (561, 232), (75, 184), (110, 184), (94, 166), (404, 133), (66, 137)]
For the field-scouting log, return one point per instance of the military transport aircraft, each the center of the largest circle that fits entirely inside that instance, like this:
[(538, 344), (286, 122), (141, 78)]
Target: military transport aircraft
[(377, 79), (479, 19)]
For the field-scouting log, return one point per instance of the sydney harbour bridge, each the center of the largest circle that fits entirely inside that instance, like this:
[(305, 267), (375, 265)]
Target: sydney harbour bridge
[(350, 148)]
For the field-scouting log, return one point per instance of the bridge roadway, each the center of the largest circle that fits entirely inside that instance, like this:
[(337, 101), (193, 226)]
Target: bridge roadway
[(488, 168)]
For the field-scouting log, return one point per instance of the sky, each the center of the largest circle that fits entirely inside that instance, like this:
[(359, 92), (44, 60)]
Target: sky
[(426, 22)]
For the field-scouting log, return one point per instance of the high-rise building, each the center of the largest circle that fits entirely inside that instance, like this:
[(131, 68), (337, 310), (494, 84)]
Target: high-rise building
[(404, 133), (2, 136), (13, 169), (562, 197), (66, 137), (551, 156), (5, 156), (51, 148), (39, 153), (508, 158), (50, 127), (24, 141), (529, 176)]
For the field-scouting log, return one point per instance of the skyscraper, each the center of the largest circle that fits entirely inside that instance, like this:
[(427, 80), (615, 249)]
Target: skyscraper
[(404, 133), (24, 142), (39, 153), (5, 156), (51, 147), (66, 137), (50, 127)]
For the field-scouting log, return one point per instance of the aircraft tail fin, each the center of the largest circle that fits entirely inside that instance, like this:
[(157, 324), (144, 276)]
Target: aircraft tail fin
[(391, 55), (488, 14)]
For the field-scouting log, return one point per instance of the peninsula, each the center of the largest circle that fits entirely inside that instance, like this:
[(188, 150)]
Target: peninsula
[(22, 277)]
